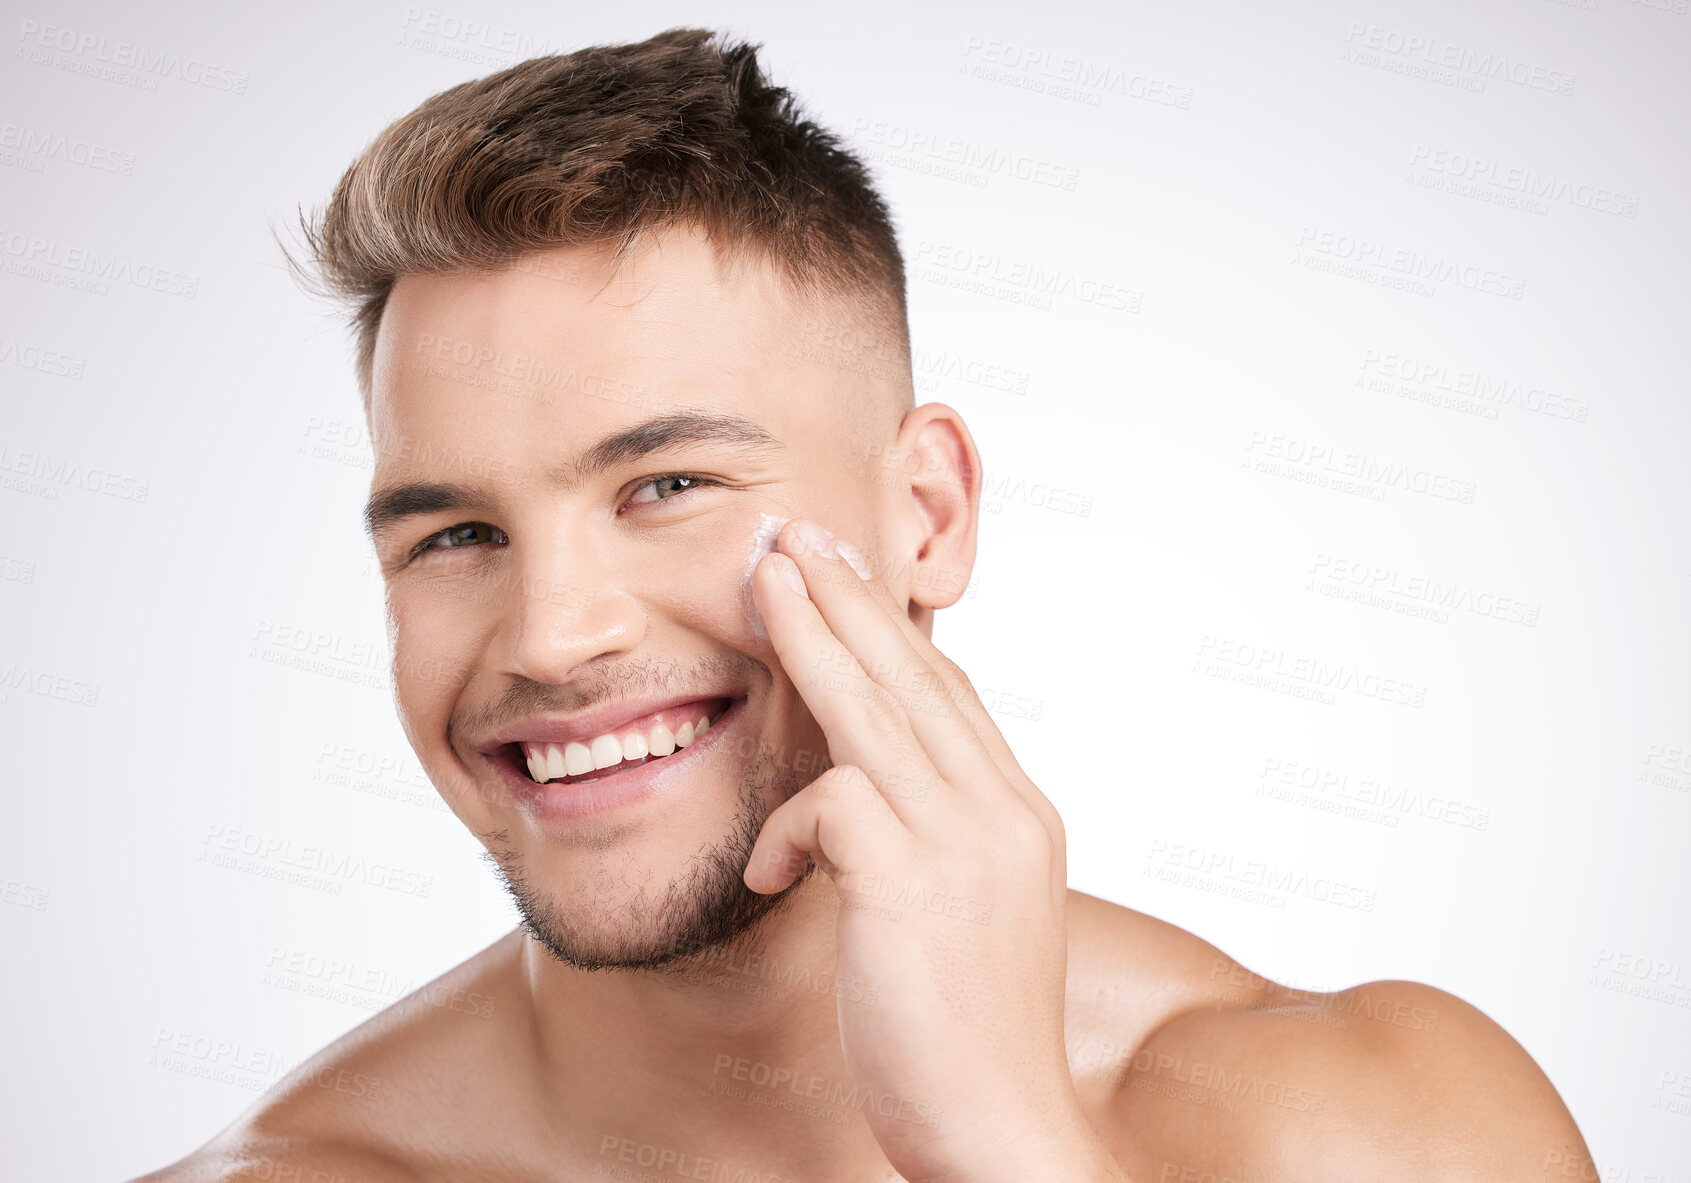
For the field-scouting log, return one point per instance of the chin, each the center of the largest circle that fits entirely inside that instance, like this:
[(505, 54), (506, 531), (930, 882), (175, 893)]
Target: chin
[(643, 890), (606, 924)]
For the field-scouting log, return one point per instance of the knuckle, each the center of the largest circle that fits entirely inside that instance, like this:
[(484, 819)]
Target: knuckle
[(1054, 826), (854, 777), (884, 711), (842, 782), (954, 674), (1028, 835)]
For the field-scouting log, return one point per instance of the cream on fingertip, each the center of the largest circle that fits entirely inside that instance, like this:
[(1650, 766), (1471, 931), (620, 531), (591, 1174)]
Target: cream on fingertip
[(854, 558), (762, 543)]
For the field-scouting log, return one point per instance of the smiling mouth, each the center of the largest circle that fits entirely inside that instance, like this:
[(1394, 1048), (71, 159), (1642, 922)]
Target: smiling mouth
[(655, 737)]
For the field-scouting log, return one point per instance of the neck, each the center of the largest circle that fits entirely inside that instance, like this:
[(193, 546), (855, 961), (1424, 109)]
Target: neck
[(732, 1052)]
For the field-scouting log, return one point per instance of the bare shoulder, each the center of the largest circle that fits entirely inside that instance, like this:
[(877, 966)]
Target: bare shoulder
[(255, 1159), (385, 1100), (1223, 1074)]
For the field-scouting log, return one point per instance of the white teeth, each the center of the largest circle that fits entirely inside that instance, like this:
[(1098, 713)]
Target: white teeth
[(551, 761), (606, 751), (578, 758), (662, 741)]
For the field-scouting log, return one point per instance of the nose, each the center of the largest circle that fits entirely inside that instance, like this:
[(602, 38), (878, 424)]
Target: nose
[(563, 609)]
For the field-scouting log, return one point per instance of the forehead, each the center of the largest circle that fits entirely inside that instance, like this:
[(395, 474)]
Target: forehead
[(566, 339)]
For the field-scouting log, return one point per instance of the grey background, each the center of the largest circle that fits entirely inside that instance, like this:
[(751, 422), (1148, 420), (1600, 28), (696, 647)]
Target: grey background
[(1220, 419)]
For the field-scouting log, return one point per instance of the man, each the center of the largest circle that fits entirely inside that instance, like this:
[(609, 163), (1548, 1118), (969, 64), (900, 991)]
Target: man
[(663, 535)]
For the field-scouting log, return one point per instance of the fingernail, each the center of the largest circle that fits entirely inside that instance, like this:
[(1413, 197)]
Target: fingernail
[(790, 572), (854, 557), (815, 538)]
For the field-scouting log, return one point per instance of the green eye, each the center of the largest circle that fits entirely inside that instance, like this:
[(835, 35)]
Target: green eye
[(668, 487), (458, 535), (461, 536), (675, 484)]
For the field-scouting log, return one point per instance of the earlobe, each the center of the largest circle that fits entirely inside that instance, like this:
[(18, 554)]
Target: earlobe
[(938, 580)]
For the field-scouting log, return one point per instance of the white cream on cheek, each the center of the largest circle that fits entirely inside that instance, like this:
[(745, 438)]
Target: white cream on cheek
[(763, 542)]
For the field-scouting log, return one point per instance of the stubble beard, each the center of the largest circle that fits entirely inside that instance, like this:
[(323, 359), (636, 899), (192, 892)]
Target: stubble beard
[(705, 914)]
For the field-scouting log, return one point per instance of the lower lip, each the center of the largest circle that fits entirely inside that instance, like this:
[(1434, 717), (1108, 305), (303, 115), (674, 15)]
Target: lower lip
[(616, 790)]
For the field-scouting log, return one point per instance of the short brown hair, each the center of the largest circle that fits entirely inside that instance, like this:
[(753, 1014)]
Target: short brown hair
[(603, 146)]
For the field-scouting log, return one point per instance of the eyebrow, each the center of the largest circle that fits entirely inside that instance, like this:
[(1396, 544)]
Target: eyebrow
[(394, 504)]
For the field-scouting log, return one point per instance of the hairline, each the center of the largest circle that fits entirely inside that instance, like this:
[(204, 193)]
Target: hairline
[(872, 305)]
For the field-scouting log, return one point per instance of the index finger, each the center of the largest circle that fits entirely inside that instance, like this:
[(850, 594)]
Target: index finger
[(956, 683), (865, 724)]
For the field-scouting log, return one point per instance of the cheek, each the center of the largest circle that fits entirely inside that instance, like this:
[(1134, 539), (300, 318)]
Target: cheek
[(434, 655), (704, 579)]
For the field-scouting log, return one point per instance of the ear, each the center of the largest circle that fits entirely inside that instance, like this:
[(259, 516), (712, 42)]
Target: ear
[(933, 471)]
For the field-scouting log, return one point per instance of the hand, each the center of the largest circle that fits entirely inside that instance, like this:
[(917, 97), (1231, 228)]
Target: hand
[(951, 870)]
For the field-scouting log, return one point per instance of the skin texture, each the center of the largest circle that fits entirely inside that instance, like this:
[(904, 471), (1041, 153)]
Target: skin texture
[(1021, 1031)]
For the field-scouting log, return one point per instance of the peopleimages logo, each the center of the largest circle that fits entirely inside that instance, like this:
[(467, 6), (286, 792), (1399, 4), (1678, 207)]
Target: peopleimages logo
[(54, 473), (1313, 671), (923, 150), (1395, 583), (1526, 182), (469, 40), (1437, 53), (1380, 370), (1407, 262), (41, 40), (1063, 75), (959, 266), (42, 361), (50, 145), (1258, 873), (1276, 454), (39, 257)]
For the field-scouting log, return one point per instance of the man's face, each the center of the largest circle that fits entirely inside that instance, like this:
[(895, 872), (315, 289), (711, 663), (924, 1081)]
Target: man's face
[(543, 579)]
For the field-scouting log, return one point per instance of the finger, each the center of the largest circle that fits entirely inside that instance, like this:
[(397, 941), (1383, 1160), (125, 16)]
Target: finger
[(864, 724), (965, 699), (958, 687), (995, 783), (943, 712), (884, 653), (840, 819)]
